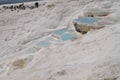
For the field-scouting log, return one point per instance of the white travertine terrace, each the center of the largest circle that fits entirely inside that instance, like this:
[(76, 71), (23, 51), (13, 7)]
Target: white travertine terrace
[(93, 56)]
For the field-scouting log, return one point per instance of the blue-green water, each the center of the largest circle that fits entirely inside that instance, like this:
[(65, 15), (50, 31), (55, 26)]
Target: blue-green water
[(31, 50), (67, 36), (61, 31), (87, 20), (43, 44), (64, 35)]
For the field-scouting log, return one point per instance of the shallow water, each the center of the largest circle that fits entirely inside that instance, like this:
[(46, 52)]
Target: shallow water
[(43, 44), (61, 31), (31, 50), (87, 20), (64, 35), (67, 36)]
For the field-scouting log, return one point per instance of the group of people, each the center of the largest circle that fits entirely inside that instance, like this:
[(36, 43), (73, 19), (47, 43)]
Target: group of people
[(21, 6)]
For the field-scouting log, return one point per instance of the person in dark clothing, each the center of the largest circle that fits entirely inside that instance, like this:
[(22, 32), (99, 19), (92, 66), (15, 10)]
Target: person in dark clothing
[(36, 4), (11, 7)]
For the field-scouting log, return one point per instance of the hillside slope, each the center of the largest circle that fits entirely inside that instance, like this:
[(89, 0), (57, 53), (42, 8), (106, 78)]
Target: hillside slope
[(92, 56)]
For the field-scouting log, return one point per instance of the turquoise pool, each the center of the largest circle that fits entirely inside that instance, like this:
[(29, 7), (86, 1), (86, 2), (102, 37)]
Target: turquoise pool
[(87, 20), (61, 31), (67, 36), (43, 44)]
